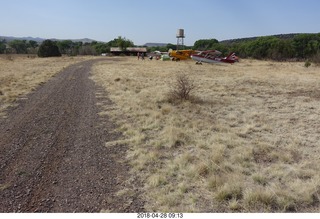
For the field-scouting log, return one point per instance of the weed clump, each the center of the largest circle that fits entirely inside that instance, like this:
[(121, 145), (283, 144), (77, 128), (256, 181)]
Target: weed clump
[(181, 89), (307, 64)]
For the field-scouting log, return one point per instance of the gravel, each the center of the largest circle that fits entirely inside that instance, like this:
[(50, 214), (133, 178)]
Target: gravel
[(52, 150)]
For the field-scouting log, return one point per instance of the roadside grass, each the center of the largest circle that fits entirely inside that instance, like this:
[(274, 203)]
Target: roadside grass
[(247, 142), (21, 74)]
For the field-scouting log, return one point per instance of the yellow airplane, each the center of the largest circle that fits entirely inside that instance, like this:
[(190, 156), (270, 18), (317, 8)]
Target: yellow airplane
[(178, 55)]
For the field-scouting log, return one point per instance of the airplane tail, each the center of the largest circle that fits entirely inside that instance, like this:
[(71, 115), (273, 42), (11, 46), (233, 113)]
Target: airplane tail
[(232, 56)]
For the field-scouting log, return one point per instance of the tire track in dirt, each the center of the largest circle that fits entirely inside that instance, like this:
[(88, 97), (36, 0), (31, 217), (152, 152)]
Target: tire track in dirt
[(52, 153)]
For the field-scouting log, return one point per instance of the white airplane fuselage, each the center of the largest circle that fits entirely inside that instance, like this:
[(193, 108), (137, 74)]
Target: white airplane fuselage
[(206, 60)]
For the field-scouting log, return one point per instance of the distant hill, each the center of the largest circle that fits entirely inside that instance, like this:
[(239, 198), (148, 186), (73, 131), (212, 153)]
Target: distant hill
[(238, 40), (11, 38), (155, 44), (39, 40), (84, 40), (87, 40), (280, 36)]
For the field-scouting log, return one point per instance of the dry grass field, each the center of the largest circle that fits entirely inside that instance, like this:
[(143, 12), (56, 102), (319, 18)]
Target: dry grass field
[(247, 141), (21, 74)]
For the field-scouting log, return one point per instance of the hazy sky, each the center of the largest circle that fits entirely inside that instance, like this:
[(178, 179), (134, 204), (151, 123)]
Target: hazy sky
[(145, 21)]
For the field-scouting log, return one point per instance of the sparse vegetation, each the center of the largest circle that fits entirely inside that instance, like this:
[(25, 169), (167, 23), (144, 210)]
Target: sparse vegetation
[(249, 145), (181, 88)]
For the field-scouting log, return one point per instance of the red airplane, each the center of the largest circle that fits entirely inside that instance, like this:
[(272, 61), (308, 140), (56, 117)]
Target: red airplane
[(212, 56)]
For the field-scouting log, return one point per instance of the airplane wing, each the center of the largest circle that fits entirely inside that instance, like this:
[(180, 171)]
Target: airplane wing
[(214, 52)]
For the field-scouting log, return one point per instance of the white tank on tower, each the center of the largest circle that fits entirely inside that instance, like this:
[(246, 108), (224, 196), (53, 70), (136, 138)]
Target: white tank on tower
[(180, 33), (180, 37)]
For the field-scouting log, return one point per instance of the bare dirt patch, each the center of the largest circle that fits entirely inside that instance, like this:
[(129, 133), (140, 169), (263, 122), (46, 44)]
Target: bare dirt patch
[(21, 75), (52, 151)]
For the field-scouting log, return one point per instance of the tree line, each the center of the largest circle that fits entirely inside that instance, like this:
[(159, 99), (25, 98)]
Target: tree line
[(298, 47), (295, 47), (57, 48), (18, 46), (278, 47)]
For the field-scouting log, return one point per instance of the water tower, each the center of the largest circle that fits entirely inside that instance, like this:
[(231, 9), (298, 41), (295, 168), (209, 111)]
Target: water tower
[(180, 37)]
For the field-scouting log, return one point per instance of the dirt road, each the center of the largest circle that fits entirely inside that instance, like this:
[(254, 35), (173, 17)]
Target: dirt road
[(52, 153)]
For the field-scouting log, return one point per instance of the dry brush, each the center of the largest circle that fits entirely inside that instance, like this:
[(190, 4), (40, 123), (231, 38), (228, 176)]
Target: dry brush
[(250, 145)]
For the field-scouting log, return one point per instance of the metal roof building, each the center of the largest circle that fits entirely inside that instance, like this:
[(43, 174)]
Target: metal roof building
[(128, 51)]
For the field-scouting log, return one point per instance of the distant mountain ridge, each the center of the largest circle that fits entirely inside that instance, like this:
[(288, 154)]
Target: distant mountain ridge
[(280, 36), (84, 40), (155, 44), (87, 40), (39, 40)]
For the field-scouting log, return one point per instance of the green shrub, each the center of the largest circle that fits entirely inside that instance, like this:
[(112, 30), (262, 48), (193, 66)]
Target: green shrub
[(48, 49), (307, 64)]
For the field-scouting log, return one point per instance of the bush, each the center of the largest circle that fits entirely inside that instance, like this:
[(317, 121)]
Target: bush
[(182, 88), (48, 48), (307, 64)]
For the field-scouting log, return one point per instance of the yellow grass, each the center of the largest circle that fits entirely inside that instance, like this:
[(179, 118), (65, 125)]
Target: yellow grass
[(21, 74), (249, 140)]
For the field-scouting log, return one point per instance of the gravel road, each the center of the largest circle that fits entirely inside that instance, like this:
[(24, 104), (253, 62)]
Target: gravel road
[(52, 153)]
